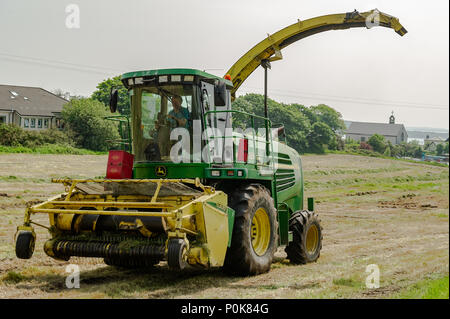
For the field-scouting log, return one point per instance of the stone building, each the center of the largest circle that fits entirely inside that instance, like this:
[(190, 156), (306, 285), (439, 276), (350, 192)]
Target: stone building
[(362, 131)]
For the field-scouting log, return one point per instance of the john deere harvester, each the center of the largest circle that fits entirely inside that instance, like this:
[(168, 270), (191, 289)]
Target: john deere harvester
[(196, 182)]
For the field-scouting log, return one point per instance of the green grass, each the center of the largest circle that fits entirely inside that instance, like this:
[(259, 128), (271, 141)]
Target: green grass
[(12, 178), (374, 154), (347, 282), (49, 149), (13, 277), (441, 215), (427, 289), (355, 171), (440, 187), (394, 181)]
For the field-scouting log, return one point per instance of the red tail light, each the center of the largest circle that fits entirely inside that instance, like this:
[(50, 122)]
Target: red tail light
[(243, 150), (120, 165)]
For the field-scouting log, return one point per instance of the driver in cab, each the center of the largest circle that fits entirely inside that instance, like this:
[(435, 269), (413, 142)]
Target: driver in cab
[(179, 116)]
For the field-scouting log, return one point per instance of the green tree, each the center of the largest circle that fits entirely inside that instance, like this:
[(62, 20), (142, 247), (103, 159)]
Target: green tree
[(378, 143), (418, 151), (390, 149), (439, 149), (329, 116), (84, 121), (412, 149), (397, 150), (103, 93), (12, 135), (320, 135), (307, 129), (446, 148), (296, 124), (307, 112)]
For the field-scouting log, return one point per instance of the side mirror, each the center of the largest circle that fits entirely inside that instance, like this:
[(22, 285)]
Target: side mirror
[(220, 94), (113, 99)]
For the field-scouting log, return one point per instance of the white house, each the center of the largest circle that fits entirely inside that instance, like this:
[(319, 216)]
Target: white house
[(31, 108)]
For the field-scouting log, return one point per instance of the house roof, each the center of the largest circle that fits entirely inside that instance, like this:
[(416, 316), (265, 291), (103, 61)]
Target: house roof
[(367, 128), (30, 100), (437, 139)]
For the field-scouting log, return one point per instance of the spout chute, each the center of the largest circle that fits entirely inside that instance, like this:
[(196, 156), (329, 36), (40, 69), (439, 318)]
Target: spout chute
[(270, 48)]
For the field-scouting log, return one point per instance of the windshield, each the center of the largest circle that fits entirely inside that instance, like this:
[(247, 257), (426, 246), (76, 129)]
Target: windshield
[(156, 111)]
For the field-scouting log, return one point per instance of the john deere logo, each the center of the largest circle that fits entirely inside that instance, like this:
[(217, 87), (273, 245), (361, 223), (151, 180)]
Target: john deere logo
[(161, 171)]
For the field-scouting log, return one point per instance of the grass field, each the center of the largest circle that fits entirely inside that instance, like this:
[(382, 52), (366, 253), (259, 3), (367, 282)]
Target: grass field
[(427, 289), (393, 214), (48, 149)]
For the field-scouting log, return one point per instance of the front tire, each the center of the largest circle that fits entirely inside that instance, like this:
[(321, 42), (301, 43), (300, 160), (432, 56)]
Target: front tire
[(307, 238), (255, 231), (176, 254), (25, 242)]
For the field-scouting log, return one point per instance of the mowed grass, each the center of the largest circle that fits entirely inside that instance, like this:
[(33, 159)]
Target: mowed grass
[(427, 289), (374, 211), (392, 182)]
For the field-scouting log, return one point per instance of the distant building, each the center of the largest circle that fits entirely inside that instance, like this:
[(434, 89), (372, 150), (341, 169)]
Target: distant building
[(31, 108), (431, 143), (362, 131)]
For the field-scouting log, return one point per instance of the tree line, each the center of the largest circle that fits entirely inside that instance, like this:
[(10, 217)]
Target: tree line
[(314, 129)]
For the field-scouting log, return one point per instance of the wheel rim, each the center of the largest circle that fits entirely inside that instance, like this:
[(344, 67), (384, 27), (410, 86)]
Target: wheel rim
[(31, 247), (312, 239), (260, 234)]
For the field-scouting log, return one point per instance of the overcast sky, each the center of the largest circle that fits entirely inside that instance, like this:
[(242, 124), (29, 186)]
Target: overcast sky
[(364, 74)]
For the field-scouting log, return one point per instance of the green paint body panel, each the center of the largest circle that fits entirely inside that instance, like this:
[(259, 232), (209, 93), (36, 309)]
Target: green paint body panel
[(286, 184), (288, 198), (310, 203), (283, 223), (231, 215), (143, 170)]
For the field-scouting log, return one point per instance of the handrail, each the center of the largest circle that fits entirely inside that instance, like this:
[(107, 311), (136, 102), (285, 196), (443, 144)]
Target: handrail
[(267, 123), (126, 142), (237, 111)]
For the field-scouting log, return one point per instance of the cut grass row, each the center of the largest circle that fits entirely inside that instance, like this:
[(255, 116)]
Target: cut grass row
[(356, 171), (12, 178), (393, 181), (378, 155)]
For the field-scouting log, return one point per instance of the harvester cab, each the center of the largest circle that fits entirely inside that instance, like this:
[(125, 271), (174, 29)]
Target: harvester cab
[(202, 184), (176, 102)]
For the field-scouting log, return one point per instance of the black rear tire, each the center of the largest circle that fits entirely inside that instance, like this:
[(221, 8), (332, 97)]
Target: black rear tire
[(25, 244), (242, 257), (307, 237)]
